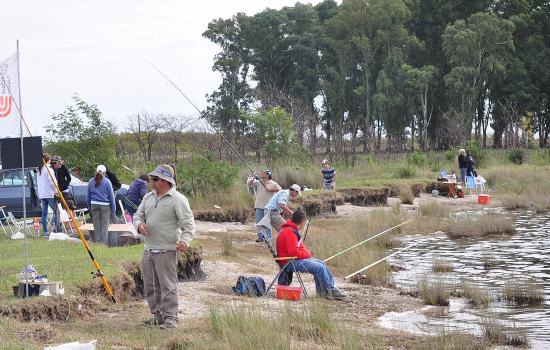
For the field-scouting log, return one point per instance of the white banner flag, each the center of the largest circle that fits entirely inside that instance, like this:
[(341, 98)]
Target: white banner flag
[(9, 96)]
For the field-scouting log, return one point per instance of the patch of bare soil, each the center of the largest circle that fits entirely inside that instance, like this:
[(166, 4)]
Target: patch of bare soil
[(56, 309)]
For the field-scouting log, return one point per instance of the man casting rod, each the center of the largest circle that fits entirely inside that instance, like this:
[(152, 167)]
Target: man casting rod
[(366, 240), (201, 116)]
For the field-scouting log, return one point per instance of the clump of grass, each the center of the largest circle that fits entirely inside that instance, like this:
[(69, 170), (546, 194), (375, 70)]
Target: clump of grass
[(523, 292), (434, 209), (442, 265), (494, 333), (476, 295), (514, 202), (489, 261), (453, 340), (485, 225), (227, 245), (406, 195), (406, 171), (434, 293)]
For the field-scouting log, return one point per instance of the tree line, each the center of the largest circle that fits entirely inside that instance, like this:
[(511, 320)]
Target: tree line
[(386, 74)]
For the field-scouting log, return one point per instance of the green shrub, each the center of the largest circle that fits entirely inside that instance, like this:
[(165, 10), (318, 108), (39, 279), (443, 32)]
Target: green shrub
[(406, 171), (418, 159), (450, 155), (202, 176), (478, 153), (516, 156)]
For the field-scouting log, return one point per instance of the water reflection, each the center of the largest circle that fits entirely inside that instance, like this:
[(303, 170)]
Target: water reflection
[(523, 255)]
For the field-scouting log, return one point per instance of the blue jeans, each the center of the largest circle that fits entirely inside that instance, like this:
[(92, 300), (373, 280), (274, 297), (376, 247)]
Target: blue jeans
[(463, 174), (324, 281), (45, 202), (266, 234)]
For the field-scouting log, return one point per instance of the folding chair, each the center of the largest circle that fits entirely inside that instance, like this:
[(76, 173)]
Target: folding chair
[(64, 218), (284, 269), (124, 212), (5, 219), (20, 224), (480, 183)]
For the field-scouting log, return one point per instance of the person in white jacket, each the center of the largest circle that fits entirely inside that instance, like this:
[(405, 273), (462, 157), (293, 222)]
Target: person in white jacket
[(46, 193)]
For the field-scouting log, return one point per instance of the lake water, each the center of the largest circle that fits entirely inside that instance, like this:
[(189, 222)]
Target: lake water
[(525, 254)]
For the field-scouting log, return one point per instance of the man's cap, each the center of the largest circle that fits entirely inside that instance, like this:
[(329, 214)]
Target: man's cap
[(296, 188), (324, 161), (268, 172), (101, 168), (164, 172)]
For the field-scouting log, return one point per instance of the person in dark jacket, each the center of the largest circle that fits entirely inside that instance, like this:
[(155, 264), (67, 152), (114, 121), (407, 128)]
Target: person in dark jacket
[(63, 181), (135, 194), (471, 163), (290, 244), (114, 180), (462, 164)]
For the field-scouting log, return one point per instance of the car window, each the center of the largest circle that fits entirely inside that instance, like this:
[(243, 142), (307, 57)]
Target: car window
[(12, 178)]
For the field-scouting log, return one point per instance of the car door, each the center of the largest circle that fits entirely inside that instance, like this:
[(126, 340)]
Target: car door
[(11, 193)]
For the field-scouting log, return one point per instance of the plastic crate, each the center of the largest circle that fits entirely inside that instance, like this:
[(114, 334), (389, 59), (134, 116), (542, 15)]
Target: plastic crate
[(483, 199), (288, 293)]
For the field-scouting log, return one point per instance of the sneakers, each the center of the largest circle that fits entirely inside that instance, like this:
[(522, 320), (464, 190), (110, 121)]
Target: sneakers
[(334, 294), (169, 323)]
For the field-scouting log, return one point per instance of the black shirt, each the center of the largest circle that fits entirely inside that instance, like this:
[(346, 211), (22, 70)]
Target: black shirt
[(114, 180), (462, 163), (63, 177)]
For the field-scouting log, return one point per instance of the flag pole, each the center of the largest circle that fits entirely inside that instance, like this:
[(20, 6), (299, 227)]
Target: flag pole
[(20, 111)]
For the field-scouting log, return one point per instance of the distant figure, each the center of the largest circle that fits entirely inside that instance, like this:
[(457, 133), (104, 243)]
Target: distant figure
[(63, 180), (462, 164), (277, 206), (263, 195), (329, 176), (46, 192), (135, 194), (290, 244), (101, 203), (471, 163)]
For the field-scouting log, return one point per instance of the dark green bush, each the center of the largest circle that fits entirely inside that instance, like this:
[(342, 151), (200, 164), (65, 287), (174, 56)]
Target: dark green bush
[(406, 171), (516, 156), (451, 154), (202, 176), (418, 159)]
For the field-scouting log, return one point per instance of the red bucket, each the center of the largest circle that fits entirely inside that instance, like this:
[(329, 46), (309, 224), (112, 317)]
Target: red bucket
[(483, 199), (288, 293)]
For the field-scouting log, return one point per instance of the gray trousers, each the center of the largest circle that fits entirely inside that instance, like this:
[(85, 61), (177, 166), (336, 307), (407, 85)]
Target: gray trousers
[(276, 220), (100, 218), (160, 284)]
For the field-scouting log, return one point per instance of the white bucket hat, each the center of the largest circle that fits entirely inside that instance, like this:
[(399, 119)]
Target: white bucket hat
[(164, 172), (296, 188)]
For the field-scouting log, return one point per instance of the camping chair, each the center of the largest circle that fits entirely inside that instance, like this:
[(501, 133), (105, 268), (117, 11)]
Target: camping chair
[(20, 224), (4, 219), (443, 175), (64, 219), (480, 183), (470, 183), (284, 269)]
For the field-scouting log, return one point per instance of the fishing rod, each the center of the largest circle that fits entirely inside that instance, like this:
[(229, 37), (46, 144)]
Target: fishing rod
[(206, 119), (303, 239), (384, 259), (366, 240), (99, 273)]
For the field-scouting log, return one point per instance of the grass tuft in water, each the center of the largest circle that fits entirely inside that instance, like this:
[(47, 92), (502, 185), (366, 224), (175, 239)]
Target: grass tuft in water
[(493, 331), (476, 295), (442, 265), (434, 293), (523, 292), (485, 225), (453, 340)]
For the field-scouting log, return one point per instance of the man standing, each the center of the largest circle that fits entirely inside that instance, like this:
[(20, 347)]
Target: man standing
[(63, 181), (290, 244), (329, 176), (165, 219), (263, 195), (277, 206)]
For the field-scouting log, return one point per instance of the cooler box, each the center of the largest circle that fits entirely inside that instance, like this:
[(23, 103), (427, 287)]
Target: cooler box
[(288, 293), (483, 199)]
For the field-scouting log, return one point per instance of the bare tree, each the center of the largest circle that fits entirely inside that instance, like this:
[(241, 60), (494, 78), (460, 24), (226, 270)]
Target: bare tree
[(146, 128), (174, 126)]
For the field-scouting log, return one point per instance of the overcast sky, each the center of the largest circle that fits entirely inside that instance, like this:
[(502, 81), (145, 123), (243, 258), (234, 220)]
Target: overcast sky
[(99, 49)]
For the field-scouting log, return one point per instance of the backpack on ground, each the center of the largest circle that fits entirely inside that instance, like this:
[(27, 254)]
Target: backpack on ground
[(251, 286)]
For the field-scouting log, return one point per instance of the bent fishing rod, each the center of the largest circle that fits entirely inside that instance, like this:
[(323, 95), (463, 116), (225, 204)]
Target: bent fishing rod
[(366, 240), (206, 119), (98, 273)]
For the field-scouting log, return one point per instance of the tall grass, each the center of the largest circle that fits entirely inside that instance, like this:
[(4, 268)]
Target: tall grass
[(476, 295), (434, 209), (442, 265), (227, 245), (434, 292), (485, 225), (453, 340), (493, 331), (523, 292), (406, 195)]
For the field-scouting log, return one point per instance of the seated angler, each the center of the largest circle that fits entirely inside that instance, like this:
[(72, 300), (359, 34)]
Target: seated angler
[(289, 244)]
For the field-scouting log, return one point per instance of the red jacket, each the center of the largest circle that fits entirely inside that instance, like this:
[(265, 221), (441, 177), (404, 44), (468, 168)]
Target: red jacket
[(287, 243)]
